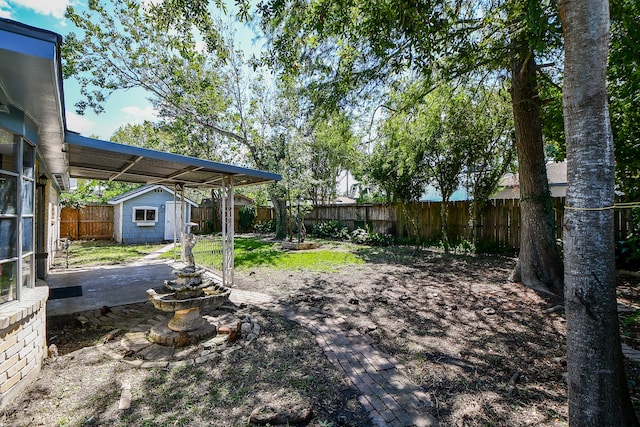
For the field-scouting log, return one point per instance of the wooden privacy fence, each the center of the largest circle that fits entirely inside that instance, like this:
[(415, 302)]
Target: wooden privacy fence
[(203, 216), (499, 225), (96, 222), (89, 222)]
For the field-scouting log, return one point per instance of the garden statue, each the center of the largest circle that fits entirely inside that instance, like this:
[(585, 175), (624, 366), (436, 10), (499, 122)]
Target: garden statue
[(188, 242)]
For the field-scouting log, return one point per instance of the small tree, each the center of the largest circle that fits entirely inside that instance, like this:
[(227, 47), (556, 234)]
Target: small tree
[(451, 133), (246, 216)]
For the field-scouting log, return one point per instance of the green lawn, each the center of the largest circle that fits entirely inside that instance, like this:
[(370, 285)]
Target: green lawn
[(100, 252), (250, 253), (253, 253)]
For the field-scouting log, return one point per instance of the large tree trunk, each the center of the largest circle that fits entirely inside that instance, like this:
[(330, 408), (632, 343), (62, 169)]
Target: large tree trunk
[(444, 222), (598, 393), (539, 265), (282, 219)]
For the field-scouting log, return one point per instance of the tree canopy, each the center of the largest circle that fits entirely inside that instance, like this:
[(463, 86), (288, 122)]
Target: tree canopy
[(623, 75), (345, 50)]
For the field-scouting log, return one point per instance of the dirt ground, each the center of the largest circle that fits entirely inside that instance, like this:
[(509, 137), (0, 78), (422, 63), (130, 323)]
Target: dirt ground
[(488, 352)]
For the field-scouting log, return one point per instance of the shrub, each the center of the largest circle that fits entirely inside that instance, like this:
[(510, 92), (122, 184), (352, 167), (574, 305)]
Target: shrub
[(264, 227), (379, 239), (247, 215), (628, 252), (359, 236), (331, 230), (365, 237)]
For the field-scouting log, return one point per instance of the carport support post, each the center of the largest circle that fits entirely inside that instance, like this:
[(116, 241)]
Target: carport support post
[(227, 230), (183, 229), (175, 237)]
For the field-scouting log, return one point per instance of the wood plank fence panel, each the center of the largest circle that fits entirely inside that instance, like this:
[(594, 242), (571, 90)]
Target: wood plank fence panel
[(69, 223), (203, 216), (499, 225), (264, 214), (89, 222)]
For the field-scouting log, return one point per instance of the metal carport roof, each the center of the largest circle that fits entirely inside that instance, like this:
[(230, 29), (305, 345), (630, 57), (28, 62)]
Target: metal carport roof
[(108, 161)]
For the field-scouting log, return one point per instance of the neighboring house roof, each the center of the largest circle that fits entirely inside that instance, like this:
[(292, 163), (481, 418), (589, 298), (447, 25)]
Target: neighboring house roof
[(143, 190), (556, 176), (238, 199), (432, 194), (343, 200)]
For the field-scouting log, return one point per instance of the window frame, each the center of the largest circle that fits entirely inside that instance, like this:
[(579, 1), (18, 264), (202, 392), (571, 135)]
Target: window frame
[(146, 222), (23, 279)]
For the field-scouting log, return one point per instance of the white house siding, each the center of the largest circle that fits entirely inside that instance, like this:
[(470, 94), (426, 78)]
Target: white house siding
[(117, 223)]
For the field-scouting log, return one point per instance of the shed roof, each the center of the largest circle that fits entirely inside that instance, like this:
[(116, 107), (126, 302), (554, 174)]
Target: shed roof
[(143, 190)]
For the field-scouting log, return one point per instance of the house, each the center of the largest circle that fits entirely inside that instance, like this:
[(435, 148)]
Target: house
[(556, 175), (239, 201), (38, 156), (432, 194), (343, 200), (148, 214)]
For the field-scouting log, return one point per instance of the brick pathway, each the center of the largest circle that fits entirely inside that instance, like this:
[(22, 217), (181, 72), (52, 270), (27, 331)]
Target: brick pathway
[(390, 398)]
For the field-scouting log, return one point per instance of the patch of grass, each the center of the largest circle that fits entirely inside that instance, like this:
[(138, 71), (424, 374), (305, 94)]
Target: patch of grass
[(250, 253), (101, 252)]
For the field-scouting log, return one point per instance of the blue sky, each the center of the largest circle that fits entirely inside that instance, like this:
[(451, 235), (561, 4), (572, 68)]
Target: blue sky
[(123, 107)]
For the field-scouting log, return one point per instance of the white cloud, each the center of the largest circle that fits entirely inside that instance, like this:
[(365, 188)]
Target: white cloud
[(78, 123), (138, 115), (146, 4), (54, 8), (5, 10)]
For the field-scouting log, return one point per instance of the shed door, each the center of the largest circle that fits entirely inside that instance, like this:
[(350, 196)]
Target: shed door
[(170, 219)]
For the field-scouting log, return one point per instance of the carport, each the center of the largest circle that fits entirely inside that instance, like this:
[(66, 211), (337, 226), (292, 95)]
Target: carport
[(90, 158), (38, 155)]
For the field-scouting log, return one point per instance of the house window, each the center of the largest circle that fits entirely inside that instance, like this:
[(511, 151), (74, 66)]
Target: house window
[(17, 196), (145, 216)]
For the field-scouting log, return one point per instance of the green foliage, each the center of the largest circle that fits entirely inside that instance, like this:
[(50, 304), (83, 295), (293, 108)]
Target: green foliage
[(449, 135), (347, 50), (366, 237), (461, 246), (211, 105), (553, 122), (393, 167), (94, 193), (623, 76), (331, 230), (247, 215), (265, 227), (148, 135), (332, 149), (495, 248), (628, 250)]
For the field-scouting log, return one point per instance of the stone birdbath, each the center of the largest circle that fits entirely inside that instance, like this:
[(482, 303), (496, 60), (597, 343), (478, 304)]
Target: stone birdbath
[(185, 297)]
